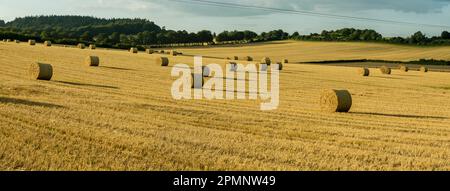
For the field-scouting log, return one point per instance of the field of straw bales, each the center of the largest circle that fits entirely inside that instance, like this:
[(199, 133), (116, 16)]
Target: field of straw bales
[(320, 51), (121, 115)]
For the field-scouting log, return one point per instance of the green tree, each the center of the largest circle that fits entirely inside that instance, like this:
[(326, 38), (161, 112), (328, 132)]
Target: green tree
[(249, 35), (223, 36), (101, 38), (124, 39), (86, 36), (114, 38), (44, 35), (295, 35), (445, 35), (418, 38), (205, 36), (356, 35)]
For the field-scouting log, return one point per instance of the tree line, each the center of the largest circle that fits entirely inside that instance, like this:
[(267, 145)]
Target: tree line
[(350, 34), (124, 33)]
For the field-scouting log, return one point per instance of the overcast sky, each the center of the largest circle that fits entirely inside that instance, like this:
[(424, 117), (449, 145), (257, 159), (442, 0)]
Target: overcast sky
[(195, 17)]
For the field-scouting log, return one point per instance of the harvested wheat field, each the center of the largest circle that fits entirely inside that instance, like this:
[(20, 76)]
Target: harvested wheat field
[(121, 115), (319, 51)]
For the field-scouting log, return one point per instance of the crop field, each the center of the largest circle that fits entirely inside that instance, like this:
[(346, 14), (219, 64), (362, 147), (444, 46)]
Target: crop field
[(121, 115), (319, 51), (416, 67)]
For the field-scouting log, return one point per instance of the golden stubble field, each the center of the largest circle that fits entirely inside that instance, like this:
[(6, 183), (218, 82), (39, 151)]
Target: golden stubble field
[(121, 116), (320, 51)]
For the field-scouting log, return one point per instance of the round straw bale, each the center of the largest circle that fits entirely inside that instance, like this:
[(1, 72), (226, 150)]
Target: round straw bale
[(196, 84), (173, 53), (47, 43), (161, 51), (285, 61), (404, 68), (385, 70), (336, 101), (81, 46), (31, 42), (92, 46), (163, 61), (8, 40), (134, 50), (92, 61), (423, 69), (149, 51), (364, 71), (266, 61), (40, 71), (280, 66), (206, 71), (236, 58), (17, 41), (4, 40), (249, 58)]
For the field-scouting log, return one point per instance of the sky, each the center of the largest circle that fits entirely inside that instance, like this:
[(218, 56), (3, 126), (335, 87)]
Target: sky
[(194, 17)]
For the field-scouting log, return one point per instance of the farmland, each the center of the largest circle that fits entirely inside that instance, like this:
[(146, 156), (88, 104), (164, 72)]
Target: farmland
[(305, 51), (121, 115)]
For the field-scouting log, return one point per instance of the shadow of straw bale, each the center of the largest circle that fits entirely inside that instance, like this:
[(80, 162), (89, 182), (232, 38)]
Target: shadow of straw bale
[(237, 79), (212, 57), (386, 77), (233, 91), (27, 102), (114, 68), (88, 85), (295, 72), (399, 115), (180, 67), (408, 75)]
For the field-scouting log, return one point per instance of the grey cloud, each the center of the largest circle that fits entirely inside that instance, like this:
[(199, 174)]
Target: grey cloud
[(417, 6)]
